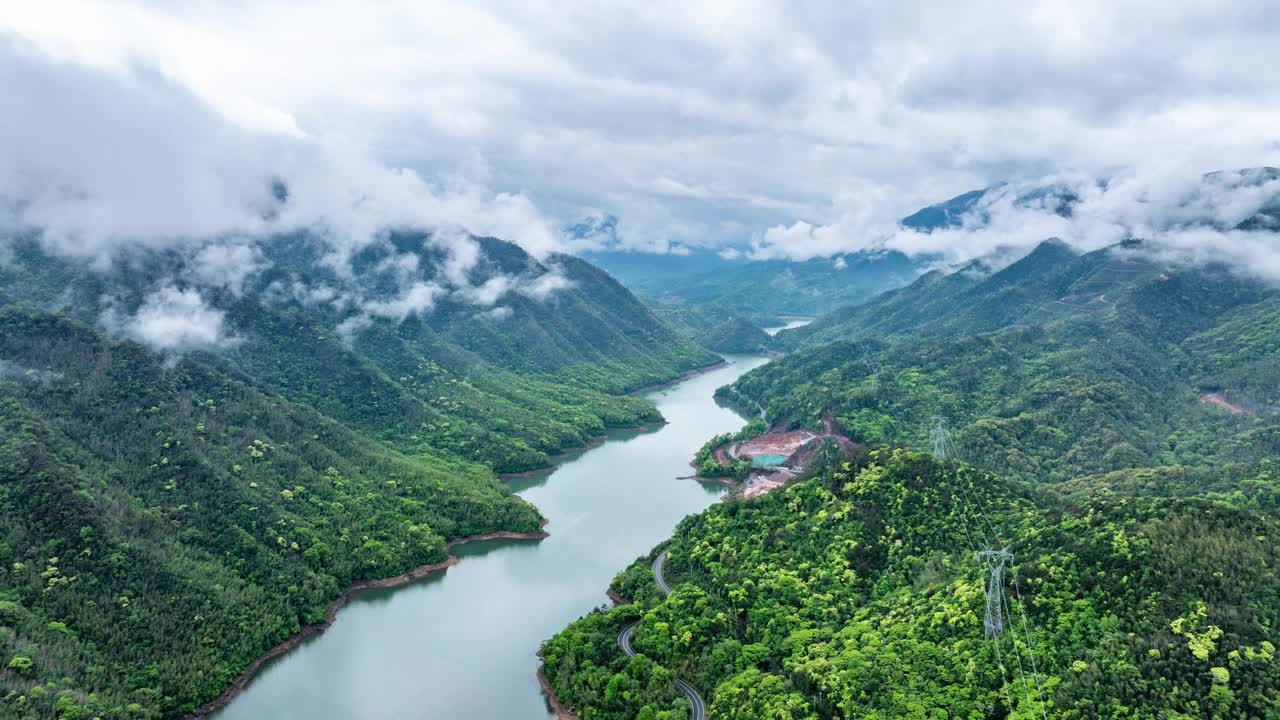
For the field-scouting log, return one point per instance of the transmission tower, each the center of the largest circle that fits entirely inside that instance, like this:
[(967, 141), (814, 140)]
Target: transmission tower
[(994, 560), (940, 436), (869, 359)]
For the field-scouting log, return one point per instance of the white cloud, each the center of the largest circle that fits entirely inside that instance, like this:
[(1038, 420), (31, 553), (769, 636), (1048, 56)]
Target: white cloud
[(488, 292), (696, 124), (227, 265), (502, 312), (545, 285), (173, 320), (102, 160), (417, 299), (1183, 217)]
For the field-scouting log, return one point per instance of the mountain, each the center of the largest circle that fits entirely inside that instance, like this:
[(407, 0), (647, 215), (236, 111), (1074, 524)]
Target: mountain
[(1050, 281), (857, 593), (1132, 365), (971, 208), (171, 511), (1087, 539), (736, 336), (757, 290)]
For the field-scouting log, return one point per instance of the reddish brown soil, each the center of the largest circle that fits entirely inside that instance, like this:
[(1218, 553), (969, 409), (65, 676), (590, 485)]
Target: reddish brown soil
[(1217, 400), (561, 712), (776, 443), (760, 484)]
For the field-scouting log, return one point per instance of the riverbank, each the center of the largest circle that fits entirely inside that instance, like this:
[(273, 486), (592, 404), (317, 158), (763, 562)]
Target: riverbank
[(596, 441), (686, 375), (557, 708), (460, 632), (246, 676)]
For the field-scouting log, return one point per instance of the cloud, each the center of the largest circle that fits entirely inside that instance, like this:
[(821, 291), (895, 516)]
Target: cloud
[(417, 299), (697, 125), (489, 292), (227, 265), (13, 372), (1226, 217), (545, 285), (173, 320), (502, 312), (104, 161)]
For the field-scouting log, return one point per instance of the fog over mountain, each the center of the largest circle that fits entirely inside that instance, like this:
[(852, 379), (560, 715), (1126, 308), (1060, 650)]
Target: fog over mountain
[(774, 130)]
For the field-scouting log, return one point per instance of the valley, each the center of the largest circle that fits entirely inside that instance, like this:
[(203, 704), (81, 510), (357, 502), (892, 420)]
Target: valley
[(639, 361), (463, 643)]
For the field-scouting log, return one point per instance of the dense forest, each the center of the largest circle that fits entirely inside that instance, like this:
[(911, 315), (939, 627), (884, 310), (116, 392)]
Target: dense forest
[(1171, 367), (856, 593), (168, 517), (1115, 422), (758, 290), (736, 336)]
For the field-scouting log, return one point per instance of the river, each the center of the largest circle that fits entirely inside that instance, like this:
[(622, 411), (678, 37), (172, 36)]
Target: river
[(461, 645)]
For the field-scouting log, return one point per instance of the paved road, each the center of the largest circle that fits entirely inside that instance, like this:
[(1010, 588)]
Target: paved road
[(624, 642), (657, 573)]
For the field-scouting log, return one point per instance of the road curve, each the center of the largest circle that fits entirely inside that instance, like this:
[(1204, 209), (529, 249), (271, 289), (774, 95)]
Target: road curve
[(699, 708), (657, 573)]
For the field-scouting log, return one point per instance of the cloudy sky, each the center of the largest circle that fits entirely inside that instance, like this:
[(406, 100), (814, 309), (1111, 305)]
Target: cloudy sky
[(789, 128)]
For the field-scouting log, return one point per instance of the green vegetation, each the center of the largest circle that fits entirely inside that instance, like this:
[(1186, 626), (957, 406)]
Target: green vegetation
[(705, 289), (165, 519), (1109, 385), (1120, 420), (856, 593), (736, 336), (709, 467)]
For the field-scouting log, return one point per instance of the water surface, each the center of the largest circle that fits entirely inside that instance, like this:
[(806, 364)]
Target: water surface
[(461, 644), (790, 323)]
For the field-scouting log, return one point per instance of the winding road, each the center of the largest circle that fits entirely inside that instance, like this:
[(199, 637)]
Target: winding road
[(624, 642)]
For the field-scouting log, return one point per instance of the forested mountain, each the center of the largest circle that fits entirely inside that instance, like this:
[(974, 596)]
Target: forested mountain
[(736, 336), (1057, 366), (169, 513), (758, 290), (1050, 281), (857, 594), (1118, 418)]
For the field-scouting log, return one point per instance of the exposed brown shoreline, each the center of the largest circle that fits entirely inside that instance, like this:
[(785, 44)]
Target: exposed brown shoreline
[(331, 613), (721, 481), (247, 675), (561, 711)]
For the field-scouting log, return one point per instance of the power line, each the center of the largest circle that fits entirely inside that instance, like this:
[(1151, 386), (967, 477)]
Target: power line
[(995, 562), (1035, 673), (1026, 689)]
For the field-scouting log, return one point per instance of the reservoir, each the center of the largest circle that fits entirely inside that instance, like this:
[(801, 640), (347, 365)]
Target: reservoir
[(462, 644)]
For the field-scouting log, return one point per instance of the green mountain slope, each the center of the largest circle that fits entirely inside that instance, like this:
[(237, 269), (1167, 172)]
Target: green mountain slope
[(857, 594), (759, 290), (1050, 282), (736, 336), (166, 518), (1147, 375)]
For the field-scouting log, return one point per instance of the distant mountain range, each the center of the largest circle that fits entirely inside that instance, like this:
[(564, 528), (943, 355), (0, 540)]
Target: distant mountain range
[(760, 291)]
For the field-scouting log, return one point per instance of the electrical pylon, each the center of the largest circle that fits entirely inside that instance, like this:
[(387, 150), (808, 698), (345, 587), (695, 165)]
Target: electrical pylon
[(939, 435), (994, 560)]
